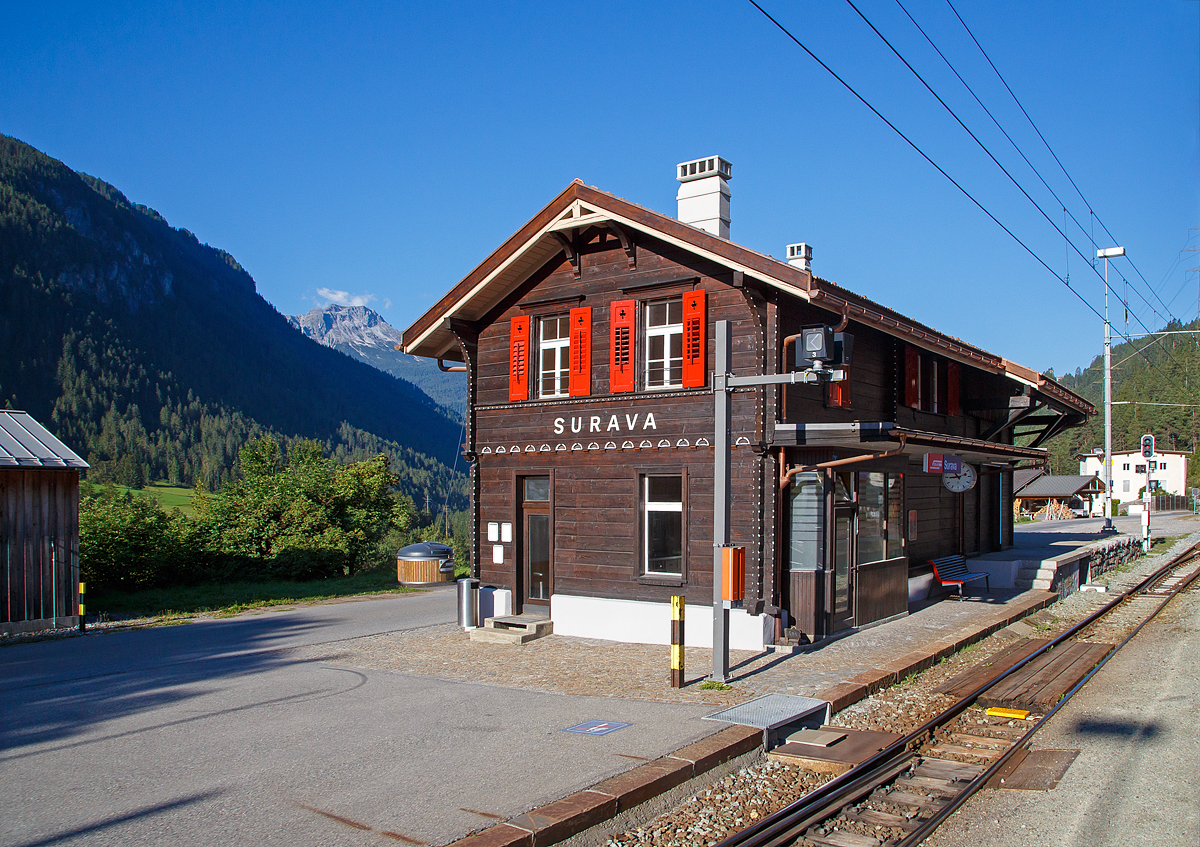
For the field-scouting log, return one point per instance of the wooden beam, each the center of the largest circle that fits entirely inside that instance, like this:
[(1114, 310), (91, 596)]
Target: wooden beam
[(992, 404), (572, 254), (627, 243)]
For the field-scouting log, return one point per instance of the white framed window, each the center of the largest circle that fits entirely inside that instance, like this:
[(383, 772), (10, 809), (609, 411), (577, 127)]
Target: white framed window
[(664, 344), (662, 525), (1125, 486), (554, 350)]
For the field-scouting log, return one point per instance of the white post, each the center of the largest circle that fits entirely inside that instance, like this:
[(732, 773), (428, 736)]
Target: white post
[(1105, 254)]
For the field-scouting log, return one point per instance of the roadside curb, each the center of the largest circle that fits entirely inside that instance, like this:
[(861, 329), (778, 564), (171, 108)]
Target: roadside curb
[(577, 812)]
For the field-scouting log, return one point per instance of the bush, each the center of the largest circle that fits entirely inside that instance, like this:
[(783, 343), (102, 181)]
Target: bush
[(128, 542)]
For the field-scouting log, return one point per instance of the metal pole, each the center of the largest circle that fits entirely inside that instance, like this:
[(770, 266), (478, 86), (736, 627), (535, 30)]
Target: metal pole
[(721, 492), (1108, 516)]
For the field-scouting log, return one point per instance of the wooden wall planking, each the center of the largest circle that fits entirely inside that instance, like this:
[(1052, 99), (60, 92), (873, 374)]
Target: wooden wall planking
[(39, 543)]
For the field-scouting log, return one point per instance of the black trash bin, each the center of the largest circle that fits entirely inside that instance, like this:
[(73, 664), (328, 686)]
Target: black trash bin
[(425, 562)]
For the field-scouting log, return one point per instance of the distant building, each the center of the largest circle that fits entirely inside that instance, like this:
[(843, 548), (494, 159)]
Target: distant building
[(1168, 467), (39, 527), (1074, 492)]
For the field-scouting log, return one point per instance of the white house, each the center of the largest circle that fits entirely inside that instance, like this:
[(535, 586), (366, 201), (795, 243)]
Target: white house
[(1168, 467)]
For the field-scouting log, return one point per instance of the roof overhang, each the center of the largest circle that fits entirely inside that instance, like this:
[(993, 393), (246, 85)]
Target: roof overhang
[(579, 207), (880, 436)]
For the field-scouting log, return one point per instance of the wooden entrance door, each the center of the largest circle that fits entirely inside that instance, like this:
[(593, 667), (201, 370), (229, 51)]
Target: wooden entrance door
[(537, 541)]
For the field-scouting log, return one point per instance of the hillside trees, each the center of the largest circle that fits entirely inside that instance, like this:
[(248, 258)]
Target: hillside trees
[(292, 514)]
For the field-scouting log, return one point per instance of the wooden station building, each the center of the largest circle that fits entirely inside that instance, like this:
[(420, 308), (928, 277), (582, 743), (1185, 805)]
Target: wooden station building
[(588, 339)]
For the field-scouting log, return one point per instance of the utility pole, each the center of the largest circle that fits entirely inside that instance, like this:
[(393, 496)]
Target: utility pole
[(1106, 254), (724, 382)]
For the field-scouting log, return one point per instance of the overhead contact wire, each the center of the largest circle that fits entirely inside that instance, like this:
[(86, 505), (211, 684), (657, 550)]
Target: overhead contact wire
[(924, 156)]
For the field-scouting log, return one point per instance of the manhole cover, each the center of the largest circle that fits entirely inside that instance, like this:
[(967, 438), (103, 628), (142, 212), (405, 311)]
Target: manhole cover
[(597, 727)]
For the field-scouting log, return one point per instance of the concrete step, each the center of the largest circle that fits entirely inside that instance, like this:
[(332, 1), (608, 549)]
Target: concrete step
[(1028, 584), (513, 629)]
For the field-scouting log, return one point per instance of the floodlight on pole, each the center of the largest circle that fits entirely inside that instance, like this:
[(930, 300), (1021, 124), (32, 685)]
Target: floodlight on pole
[(1107, 253)]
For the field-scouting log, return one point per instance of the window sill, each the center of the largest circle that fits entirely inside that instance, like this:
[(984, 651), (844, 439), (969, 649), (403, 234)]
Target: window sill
[(665, 580)]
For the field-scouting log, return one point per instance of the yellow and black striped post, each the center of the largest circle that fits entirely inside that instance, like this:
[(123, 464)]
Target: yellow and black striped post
[(82, 607), (677, 606)]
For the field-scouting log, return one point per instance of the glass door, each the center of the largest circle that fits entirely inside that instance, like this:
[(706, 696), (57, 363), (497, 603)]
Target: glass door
[(536, 540), (845, 552)]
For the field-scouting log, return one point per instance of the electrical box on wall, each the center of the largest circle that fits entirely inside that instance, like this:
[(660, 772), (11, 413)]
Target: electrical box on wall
[(733, 577)]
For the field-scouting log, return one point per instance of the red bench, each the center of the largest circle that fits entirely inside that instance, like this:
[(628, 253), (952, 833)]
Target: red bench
[(952, 571)]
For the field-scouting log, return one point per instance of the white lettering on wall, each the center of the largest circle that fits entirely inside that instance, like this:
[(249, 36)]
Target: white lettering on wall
[(576, 424), (558, 426), (631, 422), (595, 424), (612, 424), (650, 424)]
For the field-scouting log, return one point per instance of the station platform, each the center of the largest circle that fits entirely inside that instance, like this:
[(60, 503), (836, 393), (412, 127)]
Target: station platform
[(842, 671)]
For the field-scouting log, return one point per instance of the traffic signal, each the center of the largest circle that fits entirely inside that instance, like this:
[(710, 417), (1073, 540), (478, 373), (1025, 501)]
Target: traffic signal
[(1147, 446)]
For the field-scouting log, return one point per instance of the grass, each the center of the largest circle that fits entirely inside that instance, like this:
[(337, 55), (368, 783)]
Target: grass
[(168, 496), (231, 598), (714, 685)]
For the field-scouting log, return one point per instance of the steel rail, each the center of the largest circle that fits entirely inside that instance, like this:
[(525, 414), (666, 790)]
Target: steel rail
[(789, 823), (927, 828)]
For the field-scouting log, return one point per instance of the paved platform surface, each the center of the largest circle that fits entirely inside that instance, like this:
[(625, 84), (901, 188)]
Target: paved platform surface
[(220, 733), (1135, 780)]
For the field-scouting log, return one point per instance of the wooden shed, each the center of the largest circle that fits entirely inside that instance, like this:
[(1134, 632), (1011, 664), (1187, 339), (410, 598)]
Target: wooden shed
[(590, 342), (39, 527)]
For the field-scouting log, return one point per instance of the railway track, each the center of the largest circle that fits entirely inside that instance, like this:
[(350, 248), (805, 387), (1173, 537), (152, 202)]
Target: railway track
[(898, 797)]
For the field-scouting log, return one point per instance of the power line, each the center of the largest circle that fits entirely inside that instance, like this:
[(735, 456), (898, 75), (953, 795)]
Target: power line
[(924, 156), (1061, 166), (996, 161)]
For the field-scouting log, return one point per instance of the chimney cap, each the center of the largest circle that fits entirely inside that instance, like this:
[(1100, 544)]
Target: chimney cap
[(703, 168)]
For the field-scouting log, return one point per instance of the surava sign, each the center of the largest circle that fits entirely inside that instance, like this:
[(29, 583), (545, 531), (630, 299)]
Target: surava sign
[(603, 424)]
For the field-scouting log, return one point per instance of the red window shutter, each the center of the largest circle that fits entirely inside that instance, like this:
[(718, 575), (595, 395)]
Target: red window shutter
[(912, 376), (518, 359), (622, 369), (695, 340), (580, 377), (953, 379), (839, 393)]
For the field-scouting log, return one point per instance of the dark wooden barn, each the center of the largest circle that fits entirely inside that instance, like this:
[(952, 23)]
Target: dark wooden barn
[(589, 340), (39, 527)]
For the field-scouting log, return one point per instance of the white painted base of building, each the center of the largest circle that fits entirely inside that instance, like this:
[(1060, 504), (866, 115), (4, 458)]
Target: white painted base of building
[(641, 622)]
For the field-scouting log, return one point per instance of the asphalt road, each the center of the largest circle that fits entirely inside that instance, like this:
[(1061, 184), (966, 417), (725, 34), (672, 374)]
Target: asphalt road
[(1136, 779), (211, 733)]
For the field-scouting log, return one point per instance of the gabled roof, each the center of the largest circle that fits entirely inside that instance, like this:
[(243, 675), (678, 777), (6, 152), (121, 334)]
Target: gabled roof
[(1023, 476), (580, 206), (25, 443), (1060, 487)]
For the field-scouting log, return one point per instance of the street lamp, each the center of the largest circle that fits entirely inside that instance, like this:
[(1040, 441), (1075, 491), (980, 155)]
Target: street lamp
[(1106, 254)]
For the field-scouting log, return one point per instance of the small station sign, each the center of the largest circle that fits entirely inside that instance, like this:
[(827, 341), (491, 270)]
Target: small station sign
[(942, 463)]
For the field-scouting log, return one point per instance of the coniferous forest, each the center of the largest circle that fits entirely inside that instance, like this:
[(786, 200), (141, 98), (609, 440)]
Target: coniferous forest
[(152, 355), (1146, 371)]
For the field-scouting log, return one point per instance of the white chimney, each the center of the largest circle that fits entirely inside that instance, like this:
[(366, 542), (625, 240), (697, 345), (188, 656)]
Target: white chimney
[(800, 256), (704, 194)]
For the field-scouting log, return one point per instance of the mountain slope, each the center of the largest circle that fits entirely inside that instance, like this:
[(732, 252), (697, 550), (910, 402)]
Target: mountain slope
[(363, 333), (153, 355), (1145, 372)]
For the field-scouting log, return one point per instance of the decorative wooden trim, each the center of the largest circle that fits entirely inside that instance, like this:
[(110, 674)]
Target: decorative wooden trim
[(579, 378), (518, 358), (667, 287), (627, 243), (571, 253), (550, 304), (622, 369)]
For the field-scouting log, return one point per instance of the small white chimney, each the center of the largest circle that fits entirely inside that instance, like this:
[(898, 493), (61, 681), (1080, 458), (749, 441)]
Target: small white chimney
[(800, 256), (704, 194)]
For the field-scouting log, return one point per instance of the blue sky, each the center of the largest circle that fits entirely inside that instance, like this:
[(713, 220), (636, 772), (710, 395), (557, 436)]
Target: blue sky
[(382, 150)]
